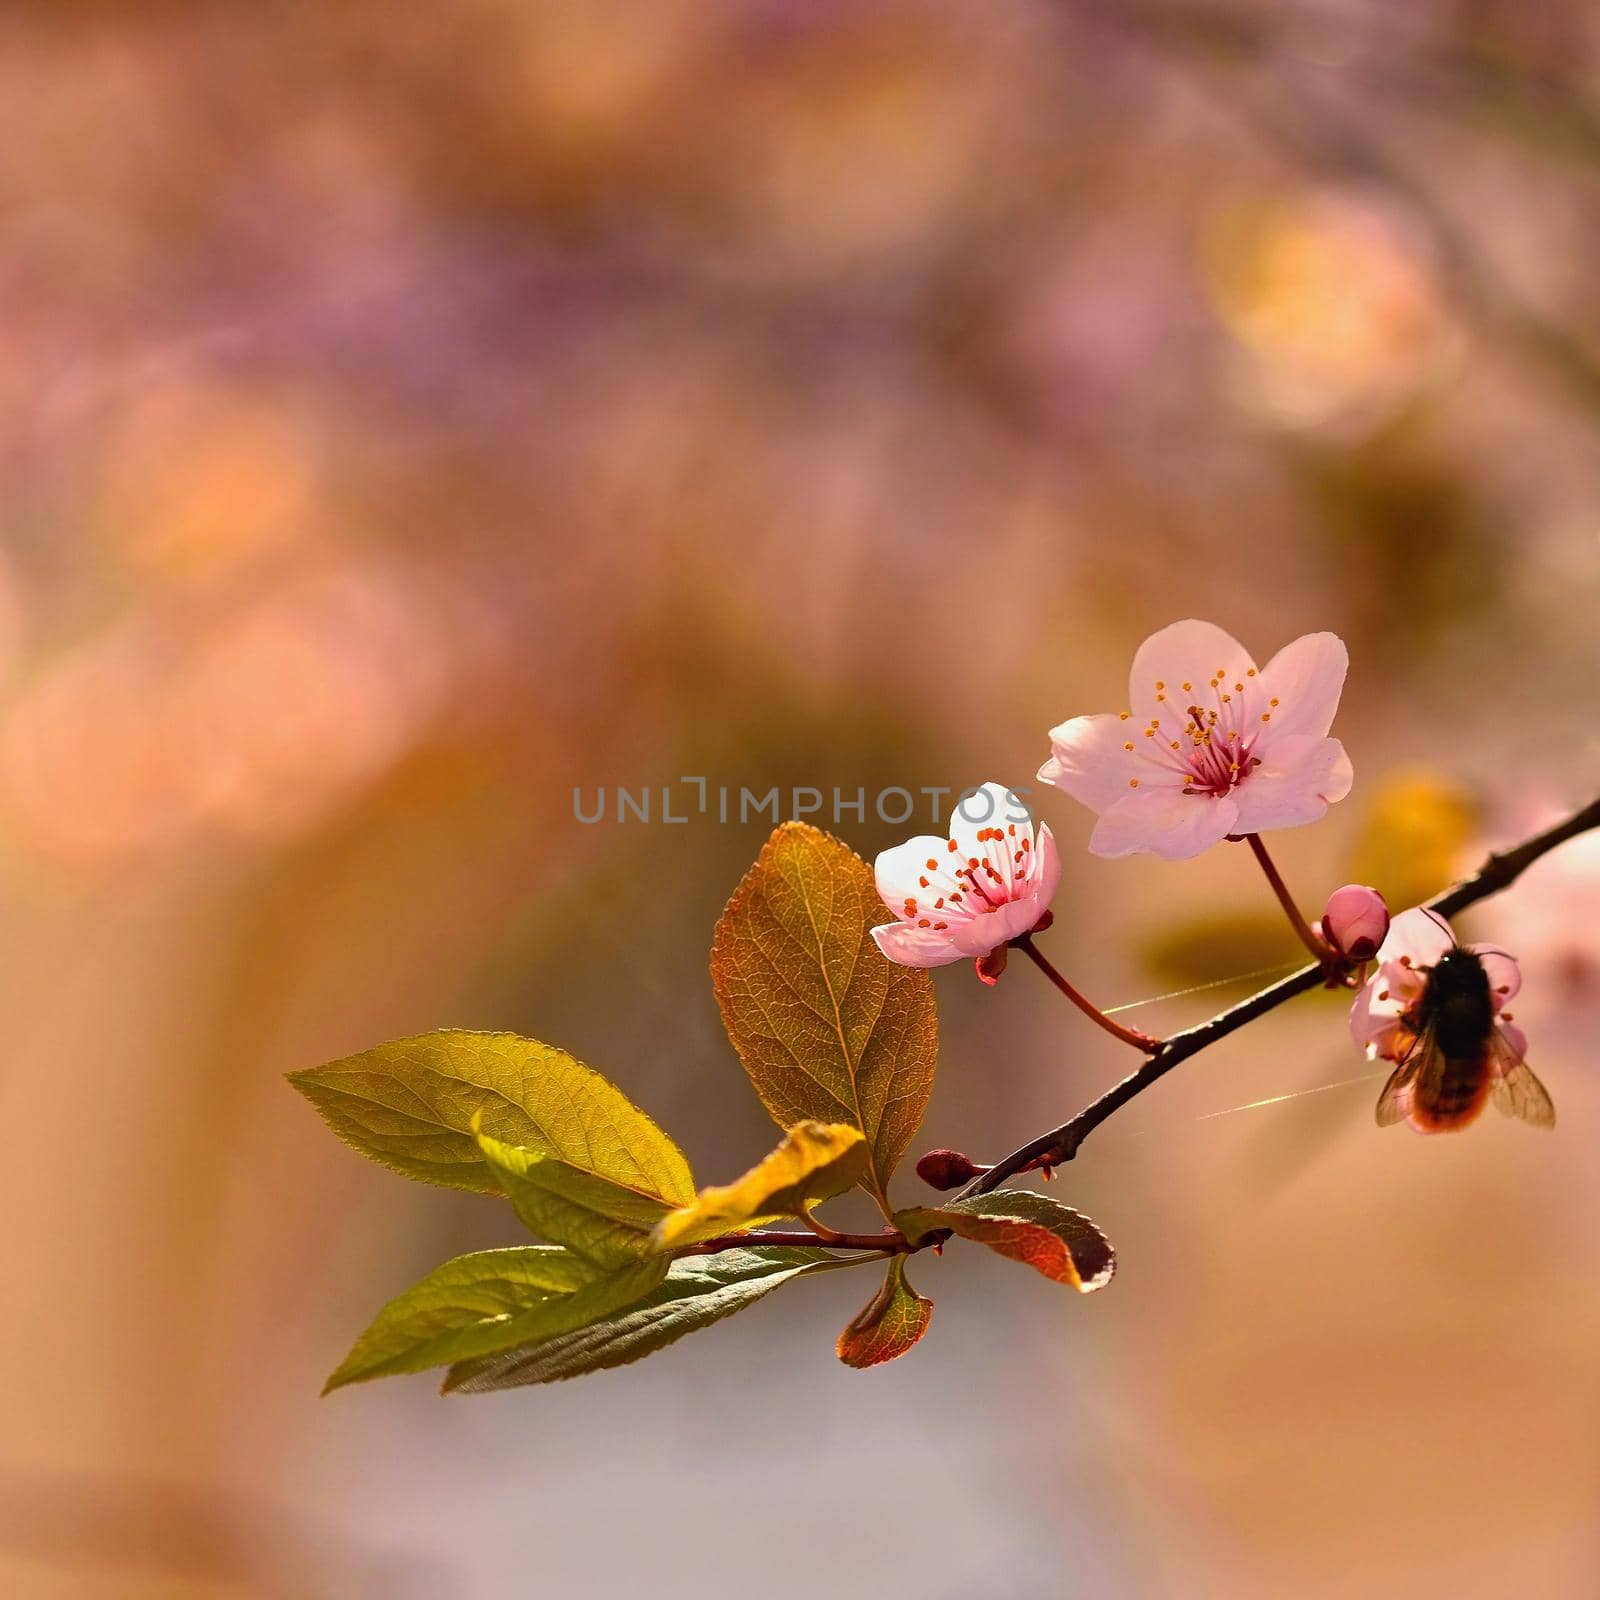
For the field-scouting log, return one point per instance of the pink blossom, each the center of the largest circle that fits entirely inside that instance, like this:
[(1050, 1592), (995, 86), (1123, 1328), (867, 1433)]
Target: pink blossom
[(1554, 920), (1380, 1019), (1355, 921), (962, 897), (1210, 745)]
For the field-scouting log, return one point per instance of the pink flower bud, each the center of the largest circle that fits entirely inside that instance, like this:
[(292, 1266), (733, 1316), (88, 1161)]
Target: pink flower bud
[(1355, 921)]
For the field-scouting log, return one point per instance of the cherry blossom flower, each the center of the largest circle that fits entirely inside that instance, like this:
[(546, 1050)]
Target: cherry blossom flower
[(1210, 745), (1380, 1019), (963, 897)]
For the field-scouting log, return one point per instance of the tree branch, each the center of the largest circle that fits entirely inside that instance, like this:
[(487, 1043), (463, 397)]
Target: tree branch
[(1061, 1144)]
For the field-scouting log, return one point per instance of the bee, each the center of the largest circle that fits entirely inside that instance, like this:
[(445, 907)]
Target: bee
[(1458, 1058)]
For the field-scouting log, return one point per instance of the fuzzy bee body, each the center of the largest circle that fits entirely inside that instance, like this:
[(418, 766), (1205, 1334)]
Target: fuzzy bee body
[(1458, 1058)]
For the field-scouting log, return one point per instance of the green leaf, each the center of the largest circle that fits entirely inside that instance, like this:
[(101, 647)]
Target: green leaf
[(815, 1162), (827, 1028), (601, 1220), (1031, 1228), (478, 1305), (410, 1105), (699, 1291), (889, 1324)]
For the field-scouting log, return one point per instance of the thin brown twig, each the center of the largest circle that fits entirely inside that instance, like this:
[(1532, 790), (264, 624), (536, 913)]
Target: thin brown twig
[(1139, 1040), (1319, 951), (1061, 1144)]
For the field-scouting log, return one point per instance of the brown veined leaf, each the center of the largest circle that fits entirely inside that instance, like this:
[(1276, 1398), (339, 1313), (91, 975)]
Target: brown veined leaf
[(889, 1324), (827, 1028), (815, 1162), (1031, 1228)]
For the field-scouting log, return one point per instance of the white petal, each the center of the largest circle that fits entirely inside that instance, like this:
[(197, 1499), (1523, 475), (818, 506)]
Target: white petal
[(912, 946), (1295, 782), (1189, 652), (1368, 1019), (1306, 677), (898, 872), (1422, 935), (1004, 821), (1166, 822), (1087, 759), (1375, 1022), (990, 805)]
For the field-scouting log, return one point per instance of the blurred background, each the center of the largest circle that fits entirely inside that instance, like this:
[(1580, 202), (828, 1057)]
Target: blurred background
[(410, 415)]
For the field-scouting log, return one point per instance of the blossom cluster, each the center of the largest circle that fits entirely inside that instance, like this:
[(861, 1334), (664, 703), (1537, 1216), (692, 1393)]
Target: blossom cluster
[(1201, 753), (1211, 747)]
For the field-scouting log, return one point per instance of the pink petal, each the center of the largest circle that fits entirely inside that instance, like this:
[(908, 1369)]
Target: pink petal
[(1365, 1023), (912, 946), (1404, 983), (1422, 935), (1297, 779), (1190, 652), (1375, 1021), (1046, 875), (1306, 678), (1505, 976), (1167, 822), (977, 936), (1516, 1041), (1087, 759)]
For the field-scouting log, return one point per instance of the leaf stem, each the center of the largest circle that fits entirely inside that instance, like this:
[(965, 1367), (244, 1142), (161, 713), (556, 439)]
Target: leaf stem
[(1321, 952), (1061, 1144), (1140, 1041)]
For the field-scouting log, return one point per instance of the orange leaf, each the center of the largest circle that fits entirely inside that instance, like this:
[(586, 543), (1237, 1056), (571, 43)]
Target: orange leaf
[(1031, 1228), (889, 1324)]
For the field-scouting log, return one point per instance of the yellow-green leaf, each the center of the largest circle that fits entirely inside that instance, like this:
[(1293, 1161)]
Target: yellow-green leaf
[(827, 1028), (815, 1162), (698, 1291), (603, 1221), (482, 1304), (411, 1105), (889, 1324), (1031, 1228)]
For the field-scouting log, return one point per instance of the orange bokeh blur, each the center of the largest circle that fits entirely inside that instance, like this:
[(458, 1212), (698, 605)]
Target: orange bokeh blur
[(410, 416)]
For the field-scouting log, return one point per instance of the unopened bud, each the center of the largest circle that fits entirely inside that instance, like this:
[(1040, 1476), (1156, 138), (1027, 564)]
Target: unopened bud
[(947, 1169), (1355, 921)]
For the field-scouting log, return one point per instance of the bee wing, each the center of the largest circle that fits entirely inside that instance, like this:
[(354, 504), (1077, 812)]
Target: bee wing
[(1517, 1092), (1394, 1102)]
